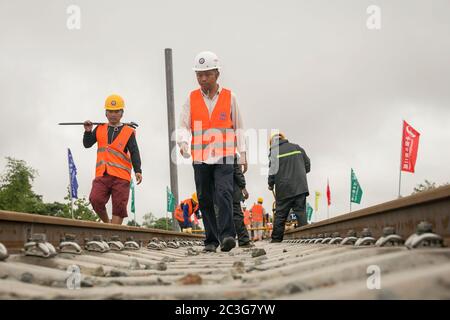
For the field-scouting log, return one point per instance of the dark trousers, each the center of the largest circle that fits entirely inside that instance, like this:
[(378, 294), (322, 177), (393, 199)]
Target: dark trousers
[(239, 226), (283, 207), (214, 184)]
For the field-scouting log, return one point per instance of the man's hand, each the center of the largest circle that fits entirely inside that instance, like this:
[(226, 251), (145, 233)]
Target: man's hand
[(243, 162), (88, 126), (184, 150), (245, 193), (138, 178)]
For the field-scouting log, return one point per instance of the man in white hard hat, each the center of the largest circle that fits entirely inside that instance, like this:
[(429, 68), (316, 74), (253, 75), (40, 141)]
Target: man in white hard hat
[(211, 123)]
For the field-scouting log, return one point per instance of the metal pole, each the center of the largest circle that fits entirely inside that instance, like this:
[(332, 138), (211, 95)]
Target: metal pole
[(70, 184), (171, 128)]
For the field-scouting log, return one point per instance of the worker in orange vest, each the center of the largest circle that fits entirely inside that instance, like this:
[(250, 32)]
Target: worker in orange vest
[(117, 155), (184, 212), (258, 213), (211, 124), (247, 219)]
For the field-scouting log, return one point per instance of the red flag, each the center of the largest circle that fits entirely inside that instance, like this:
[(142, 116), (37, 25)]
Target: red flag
[(410, 145), (328, 193)]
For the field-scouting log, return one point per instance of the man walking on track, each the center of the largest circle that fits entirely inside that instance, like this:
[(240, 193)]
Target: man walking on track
[(288, 167), (211, 122), (117, 154)]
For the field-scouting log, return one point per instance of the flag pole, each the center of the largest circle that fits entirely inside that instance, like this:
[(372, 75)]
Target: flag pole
[(400, 173), (70, 185), (328, 199), (351, 189)]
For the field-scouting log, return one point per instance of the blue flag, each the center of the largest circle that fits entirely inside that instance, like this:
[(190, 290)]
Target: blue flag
[(73, 176)]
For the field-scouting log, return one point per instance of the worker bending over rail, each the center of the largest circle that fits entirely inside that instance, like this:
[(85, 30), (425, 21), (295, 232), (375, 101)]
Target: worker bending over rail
[(117, 154), (184, 212)]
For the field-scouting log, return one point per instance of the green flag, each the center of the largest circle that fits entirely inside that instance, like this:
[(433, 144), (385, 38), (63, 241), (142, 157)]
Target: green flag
[(356, 191), (309, 212), (170, 201), (133, 209)]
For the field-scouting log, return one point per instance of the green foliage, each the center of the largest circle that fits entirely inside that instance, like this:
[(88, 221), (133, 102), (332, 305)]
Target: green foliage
[(16, 194), (149, 220), (162, 223), (133, 223)]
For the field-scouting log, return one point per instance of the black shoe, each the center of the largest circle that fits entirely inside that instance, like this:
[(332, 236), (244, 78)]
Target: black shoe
[(246, 245), (209, 248), (275, 241), (228, 244)]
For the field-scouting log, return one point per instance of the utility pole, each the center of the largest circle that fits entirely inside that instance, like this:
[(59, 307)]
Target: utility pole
[(171, 128)]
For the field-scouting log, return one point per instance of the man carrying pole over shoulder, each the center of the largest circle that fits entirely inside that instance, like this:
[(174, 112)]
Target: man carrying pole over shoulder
[(117, 155)]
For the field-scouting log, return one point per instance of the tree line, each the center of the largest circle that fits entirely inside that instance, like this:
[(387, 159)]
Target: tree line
[(16, 194)]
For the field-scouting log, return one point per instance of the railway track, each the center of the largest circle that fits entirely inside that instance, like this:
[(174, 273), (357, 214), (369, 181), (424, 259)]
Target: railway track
[(411, 262)]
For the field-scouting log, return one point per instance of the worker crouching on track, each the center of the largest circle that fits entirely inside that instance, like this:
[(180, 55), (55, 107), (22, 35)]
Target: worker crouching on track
[(117, 155), (288, 167), (211, 122), (240, 194), (258, 213), (184, 212)]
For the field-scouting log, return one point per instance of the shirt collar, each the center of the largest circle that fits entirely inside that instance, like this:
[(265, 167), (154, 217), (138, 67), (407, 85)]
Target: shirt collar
[(217, 93)]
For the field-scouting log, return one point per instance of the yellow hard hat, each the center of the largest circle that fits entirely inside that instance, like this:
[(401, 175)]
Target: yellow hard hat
[(114, 102), (194, 197), (260, 200), (279, 134)]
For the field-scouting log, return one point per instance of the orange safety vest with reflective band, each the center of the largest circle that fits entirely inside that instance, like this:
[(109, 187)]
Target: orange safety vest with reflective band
[(179, 214), (257, 213), (247, 219), (111, 157), (212, 136)]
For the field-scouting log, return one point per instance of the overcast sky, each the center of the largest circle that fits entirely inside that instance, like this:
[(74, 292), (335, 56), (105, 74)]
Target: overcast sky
[(309, 68)]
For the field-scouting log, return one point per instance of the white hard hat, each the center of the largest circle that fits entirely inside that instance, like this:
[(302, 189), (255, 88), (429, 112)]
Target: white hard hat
[(206, 60)]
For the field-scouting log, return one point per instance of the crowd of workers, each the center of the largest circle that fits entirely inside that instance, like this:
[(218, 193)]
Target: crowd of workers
[(210, 132)]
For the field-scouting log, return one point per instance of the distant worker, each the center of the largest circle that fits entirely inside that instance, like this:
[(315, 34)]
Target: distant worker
[(247, 220), (258, 213), (240, 194), (184, 212), (288, 167), (117, 155), (211, 132)]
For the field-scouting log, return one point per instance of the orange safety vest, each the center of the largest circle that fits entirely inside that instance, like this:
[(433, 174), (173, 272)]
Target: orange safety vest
[(111, 157), (179, 214), (247, 218), (211, 136), (257, 213)]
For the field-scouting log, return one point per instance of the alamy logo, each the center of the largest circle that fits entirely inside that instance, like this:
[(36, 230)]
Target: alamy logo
[(73, 281), (374, 279)]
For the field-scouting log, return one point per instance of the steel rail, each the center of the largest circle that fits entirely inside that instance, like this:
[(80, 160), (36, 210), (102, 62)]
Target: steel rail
[(403, 214), (16, 228)]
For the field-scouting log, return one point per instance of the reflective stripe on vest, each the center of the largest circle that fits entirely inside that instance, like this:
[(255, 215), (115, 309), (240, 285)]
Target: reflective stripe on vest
[(111, 157), (212, 135), (289, 154)]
